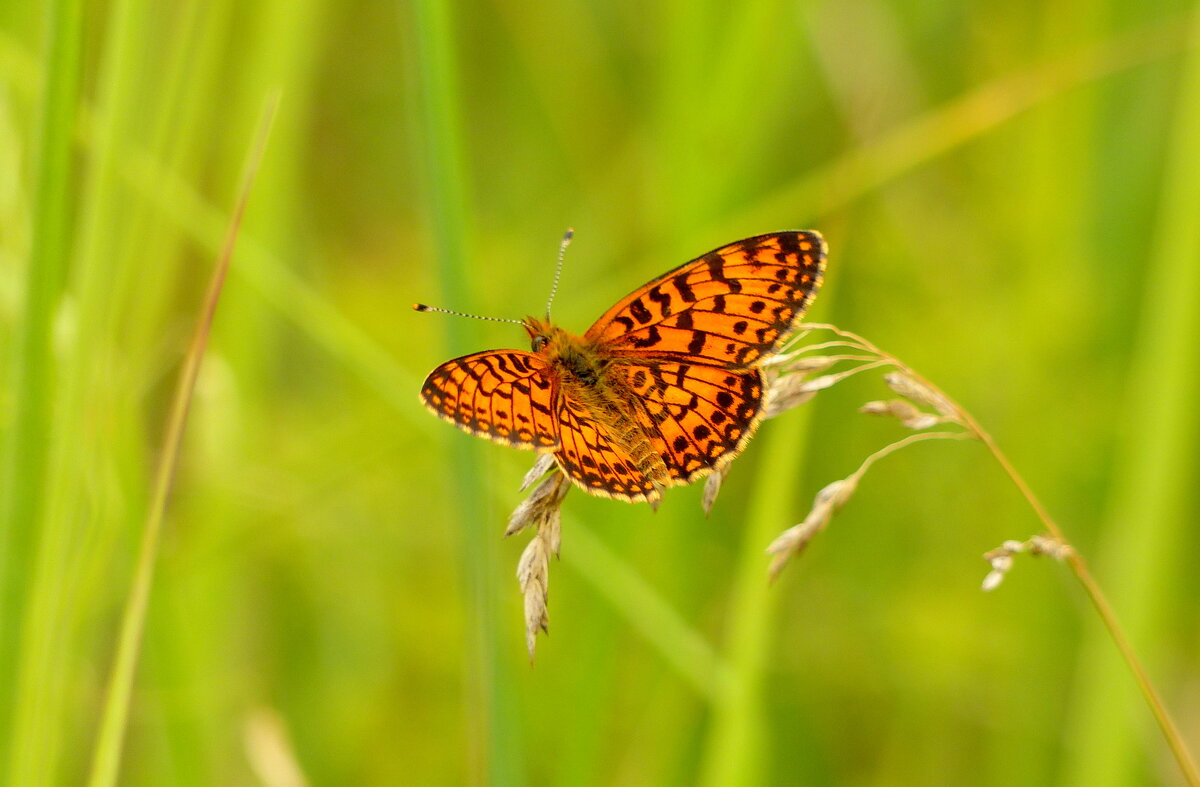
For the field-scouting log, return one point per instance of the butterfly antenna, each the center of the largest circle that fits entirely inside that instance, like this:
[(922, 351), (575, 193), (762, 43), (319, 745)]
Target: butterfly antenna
[(562, 252), (421, 307)]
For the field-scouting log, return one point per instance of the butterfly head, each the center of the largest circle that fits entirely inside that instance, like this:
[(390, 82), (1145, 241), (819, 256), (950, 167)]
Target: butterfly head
[(541, 333)]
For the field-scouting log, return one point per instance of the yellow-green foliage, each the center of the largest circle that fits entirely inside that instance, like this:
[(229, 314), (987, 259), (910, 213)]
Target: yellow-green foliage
[(1010, 196)]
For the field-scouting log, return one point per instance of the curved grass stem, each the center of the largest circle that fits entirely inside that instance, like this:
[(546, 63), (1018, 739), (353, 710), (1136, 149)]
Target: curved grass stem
[(1166, 723), (1170, 731)]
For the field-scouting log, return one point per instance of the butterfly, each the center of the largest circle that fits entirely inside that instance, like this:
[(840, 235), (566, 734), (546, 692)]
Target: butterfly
[(664, 388)]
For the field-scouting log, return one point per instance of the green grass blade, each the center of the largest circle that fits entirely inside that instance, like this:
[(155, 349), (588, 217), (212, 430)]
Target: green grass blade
[(1148, 531), (679, 643), (492, 726), (23, 478), (107, 755), (737, 748), (83, 490)]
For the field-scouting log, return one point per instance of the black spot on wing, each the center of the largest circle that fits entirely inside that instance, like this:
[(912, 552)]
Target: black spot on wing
[(651, 338), (685, 291), (639, 311), (662, 299), (789, 243), (716, 269)]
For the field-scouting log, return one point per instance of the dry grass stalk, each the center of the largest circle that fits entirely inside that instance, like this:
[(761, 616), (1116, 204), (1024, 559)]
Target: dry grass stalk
[(269, 749), (918, 390), (789, 385), (542, 510)]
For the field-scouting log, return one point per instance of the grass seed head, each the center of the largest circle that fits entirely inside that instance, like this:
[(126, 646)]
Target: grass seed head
[(539, 469), (712, 487), (785, 393), (542, 510), (543, 503), (1001, 558), (903, 411), (533, 574), (919, 392), (793, 540)]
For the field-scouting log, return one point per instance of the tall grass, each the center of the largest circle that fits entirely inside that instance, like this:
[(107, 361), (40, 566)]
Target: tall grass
[(492, 731), (29, 431), (1145, 527), (106, 760), (333, 597)]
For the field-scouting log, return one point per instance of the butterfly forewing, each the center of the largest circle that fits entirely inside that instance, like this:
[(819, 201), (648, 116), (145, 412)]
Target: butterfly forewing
[(730, 307), (504, 395)]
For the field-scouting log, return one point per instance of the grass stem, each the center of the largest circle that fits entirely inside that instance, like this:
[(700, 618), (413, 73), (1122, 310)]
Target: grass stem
[(1170, 730), (26, 455), (107, 754)]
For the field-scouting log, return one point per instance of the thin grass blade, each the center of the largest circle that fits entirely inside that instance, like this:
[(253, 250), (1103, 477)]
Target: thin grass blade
[(106, 760)]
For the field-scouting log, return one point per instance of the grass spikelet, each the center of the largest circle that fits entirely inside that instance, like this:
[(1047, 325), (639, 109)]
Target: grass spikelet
[(903, 411), (793, 540), (712, 487), (539, 469), (921, 393), (1001, 558), (544, 501), (542, 510)]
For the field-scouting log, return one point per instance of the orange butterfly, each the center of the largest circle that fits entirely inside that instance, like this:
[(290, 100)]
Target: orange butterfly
[(662, 389)]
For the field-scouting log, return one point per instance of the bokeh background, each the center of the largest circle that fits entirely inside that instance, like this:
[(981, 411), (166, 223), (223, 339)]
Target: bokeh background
[(1011, 194)]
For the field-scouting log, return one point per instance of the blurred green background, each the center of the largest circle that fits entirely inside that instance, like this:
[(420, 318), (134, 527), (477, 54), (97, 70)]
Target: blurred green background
[(1011, 194)]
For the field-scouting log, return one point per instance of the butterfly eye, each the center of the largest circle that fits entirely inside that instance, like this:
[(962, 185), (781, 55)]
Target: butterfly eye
[(539, 342)]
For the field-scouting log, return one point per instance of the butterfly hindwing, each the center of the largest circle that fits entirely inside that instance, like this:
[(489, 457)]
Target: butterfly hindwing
[(698, 416)]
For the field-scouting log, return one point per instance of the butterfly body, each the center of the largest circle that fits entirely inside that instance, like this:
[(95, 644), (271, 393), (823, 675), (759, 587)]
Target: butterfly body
[(595, 386), (662, 389)]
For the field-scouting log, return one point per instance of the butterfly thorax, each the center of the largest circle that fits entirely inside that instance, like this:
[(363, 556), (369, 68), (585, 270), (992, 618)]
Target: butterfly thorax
[(571, 356)]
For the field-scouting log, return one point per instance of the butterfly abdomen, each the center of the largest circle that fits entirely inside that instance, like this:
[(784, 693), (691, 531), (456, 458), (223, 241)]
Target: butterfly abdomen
[(626, 432), (611, 405)]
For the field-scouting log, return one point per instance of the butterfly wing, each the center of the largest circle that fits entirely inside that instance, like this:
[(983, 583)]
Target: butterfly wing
[(508, 396), (589, 457), (729, 308), (697, 416)]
